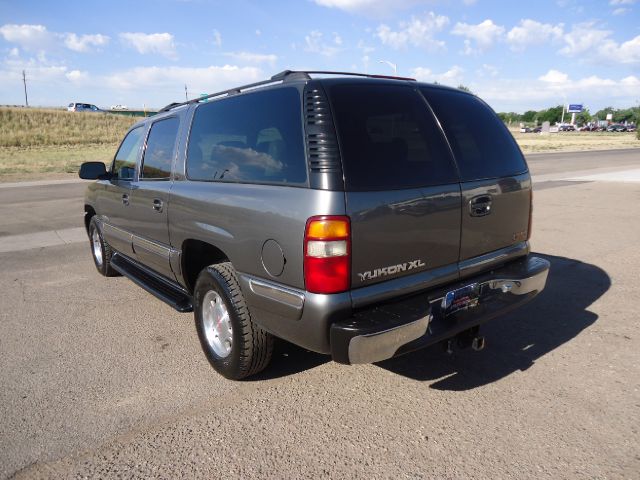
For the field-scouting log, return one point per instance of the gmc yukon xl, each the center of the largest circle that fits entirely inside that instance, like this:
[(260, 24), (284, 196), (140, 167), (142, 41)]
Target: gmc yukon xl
[(354, 215)]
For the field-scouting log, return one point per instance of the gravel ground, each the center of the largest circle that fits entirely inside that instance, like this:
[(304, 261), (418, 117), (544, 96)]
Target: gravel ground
[(101, 380)]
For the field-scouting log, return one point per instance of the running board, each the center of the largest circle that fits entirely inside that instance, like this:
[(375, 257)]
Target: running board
[(168, 292)]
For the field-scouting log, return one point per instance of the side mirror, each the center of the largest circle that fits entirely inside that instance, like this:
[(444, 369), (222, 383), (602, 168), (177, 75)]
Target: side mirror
[(93, 171)]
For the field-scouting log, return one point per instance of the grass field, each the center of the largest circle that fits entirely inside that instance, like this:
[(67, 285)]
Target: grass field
[(41, 143)]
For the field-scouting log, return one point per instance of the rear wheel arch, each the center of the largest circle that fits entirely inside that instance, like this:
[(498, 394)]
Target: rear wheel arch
[(196, 256)]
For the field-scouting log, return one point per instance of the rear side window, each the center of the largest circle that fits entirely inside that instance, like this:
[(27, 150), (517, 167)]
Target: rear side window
[(161, 145), (389, 139), (481, 144), (124, 164), (251, 138)]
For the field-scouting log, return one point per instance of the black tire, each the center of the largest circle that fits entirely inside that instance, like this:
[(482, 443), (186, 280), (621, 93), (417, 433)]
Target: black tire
[(103, 264), (251, 347)]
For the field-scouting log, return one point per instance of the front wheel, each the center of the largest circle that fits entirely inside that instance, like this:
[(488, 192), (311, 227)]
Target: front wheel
[(100, 250), (233, 343)]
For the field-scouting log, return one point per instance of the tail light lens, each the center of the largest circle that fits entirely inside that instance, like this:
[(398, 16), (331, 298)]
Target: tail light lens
[(530, 213), (327, 254)]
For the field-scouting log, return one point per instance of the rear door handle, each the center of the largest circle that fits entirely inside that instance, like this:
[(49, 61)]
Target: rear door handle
[(480, 206), (157, 205), (125, 199)]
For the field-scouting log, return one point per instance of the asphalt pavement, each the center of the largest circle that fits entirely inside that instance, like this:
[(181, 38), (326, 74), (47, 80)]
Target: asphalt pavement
[(101, 380)]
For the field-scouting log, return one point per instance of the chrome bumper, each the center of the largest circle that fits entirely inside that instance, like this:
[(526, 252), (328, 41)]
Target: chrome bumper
[(367, 340)]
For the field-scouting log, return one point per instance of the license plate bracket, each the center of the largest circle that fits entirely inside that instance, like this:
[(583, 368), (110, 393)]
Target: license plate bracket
[(460, 299)]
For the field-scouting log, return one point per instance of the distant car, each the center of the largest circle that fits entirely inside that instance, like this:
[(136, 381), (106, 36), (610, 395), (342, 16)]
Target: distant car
[(567, 128), (616, 128), (83, 107), (631, 128), (119, 107), (537, 130), (525, 130)]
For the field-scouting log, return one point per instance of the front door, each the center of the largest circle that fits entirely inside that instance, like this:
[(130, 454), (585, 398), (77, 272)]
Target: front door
[(149, 198), (114, 200)]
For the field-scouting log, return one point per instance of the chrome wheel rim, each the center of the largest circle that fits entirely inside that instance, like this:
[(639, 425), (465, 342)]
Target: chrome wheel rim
[(217, 324), (97, 246)]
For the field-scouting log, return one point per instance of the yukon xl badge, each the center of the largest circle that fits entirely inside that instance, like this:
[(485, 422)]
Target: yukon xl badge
[(392, 270)]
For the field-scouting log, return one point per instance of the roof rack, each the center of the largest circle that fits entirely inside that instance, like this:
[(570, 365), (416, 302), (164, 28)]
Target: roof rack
[(278, 77)]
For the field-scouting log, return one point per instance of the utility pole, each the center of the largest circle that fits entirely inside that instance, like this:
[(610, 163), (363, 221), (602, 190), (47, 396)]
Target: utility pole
[(24, 80), (186, 97)]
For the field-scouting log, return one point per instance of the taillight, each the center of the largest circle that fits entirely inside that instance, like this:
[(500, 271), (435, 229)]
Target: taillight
[(530, 213), (327, 254)]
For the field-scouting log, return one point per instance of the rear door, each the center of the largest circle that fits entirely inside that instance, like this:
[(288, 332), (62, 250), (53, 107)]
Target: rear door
[(402, 191), (496, 186)]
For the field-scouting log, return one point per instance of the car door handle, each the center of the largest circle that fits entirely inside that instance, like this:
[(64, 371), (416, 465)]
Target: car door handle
[(125, 199), (157, 205), (480, 206)]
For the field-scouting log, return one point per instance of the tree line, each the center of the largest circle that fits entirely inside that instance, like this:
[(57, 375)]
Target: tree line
[(554, 115)]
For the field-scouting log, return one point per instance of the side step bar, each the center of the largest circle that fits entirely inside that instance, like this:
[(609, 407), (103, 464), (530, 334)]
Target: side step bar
[(165, 290)]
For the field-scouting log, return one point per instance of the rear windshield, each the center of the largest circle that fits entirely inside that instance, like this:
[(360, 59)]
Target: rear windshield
[(389, 139), (481, 144)]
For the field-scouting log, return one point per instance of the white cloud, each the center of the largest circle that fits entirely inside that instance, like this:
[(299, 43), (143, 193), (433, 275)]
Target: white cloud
[(620, 11), (588, 42), (85, 42), (168, 82), (78, 77), (452, 77), (484, 35), (217, 38), (554, 76), (489, 70), (250, 57), (29, 37), (469, 2), (530, 32), (376, 8), (593, 91), (417, 32), (622, 2), (314, 43), (160, 43)]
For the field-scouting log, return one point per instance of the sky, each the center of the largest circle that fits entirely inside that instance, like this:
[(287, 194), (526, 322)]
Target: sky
[(517, 56)]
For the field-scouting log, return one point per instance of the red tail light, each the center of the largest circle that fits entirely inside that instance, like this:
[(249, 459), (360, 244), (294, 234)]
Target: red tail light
[(327, 254)]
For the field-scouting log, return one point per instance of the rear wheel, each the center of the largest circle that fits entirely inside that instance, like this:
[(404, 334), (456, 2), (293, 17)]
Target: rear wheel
[(101, 251), (233, 343)]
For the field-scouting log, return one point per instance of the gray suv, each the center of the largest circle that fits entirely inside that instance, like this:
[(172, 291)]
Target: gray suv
[(354, 215)]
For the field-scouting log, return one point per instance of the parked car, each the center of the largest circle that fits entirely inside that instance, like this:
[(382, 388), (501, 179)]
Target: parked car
[(525, 130), (119, 107), (83, 107), (537, 130), (631, 128), (616, 127), (567, 128), (354, 215)]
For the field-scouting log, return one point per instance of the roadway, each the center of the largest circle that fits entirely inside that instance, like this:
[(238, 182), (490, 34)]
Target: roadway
[(100, 379)]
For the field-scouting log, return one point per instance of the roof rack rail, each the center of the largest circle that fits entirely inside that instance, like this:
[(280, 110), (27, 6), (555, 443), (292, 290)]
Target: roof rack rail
[(278, 77)]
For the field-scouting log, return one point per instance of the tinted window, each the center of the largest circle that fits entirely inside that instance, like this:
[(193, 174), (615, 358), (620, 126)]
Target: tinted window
[(252, 138), (389, 138), (124, 165), (161, 145), (482, 145)]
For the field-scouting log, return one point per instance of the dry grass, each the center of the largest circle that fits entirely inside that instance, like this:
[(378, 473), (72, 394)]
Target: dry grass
[(574, 141), (28, 127)]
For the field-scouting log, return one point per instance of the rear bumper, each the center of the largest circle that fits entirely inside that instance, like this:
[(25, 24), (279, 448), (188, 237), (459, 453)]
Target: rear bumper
[(381, 332)]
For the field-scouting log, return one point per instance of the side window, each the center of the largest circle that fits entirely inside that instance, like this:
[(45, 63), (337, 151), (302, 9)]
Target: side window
[(481, 144), (252, 138), (389, 139), (124, 164), (161, 145)]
